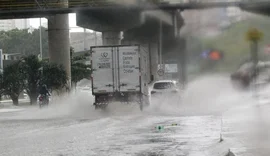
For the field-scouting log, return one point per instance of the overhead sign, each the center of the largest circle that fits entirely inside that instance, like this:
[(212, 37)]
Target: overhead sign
[(212, 55), (254, 34), (160, 72), (171, 68)]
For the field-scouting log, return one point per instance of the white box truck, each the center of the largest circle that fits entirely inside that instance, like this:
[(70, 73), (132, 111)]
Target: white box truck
[(120, 73)]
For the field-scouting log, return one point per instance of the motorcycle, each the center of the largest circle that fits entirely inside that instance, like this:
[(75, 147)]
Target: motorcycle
[(43, 100)]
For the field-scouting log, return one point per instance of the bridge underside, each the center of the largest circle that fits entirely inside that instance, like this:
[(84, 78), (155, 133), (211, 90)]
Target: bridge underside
[(108, 20), (259, 10), (157, 29)]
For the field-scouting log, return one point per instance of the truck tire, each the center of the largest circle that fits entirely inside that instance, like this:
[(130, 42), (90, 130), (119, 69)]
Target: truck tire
[(101, 103), (101, 106), (144, 102), (141, 103), (141, 106)]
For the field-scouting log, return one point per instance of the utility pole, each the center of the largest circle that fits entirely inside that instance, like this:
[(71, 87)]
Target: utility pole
[(84, 39), (95, 38), (254, 36), (40, 40), (160, 42)]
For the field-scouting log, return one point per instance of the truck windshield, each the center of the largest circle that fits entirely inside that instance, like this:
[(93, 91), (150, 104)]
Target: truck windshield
[(163, 85)]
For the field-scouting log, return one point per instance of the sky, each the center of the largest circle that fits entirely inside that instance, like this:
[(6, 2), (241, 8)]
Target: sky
[(34, 22)]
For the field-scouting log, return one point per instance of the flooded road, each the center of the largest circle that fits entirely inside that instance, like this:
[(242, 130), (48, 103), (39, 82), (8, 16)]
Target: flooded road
[(134, 135), (186, 126)]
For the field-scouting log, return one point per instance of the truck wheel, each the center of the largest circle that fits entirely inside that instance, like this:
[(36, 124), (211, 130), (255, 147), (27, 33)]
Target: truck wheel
[(141, 106), (147, 101), (104, 106), (101, 106), (142, 103)]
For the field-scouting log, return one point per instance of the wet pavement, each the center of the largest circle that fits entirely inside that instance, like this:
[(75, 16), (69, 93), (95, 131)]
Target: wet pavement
[(190, 126), (247, 126), (120, 135)]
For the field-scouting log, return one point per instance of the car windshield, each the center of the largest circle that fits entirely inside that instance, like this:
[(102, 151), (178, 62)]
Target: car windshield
[(246, 67), (163, 85)]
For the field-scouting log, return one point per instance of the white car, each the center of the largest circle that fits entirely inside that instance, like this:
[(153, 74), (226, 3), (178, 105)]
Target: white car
[(165, 87)]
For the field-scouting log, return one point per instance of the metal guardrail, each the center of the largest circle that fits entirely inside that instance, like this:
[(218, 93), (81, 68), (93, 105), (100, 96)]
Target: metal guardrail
[(48, 4), (15, 5), (45, 4)]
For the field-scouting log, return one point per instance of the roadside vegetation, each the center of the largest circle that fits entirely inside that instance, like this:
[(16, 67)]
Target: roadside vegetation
[(232, 43)]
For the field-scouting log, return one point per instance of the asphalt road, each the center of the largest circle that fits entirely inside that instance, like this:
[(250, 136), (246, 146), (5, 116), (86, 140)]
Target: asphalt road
[(190, 125)]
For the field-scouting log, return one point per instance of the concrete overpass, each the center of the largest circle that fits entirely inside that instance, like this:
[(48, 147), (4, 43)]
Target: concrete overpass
[(41, 8), (142, 21)]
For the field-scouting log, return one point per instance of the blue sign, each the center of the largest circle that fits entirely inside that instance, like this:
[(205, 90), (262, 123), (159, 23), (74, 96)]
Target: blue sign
[(205, 54)]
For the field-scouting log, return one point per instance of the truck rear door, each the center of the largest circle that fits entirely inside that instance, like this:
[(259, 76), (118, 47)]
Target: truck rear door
[(129, 68), (102, 66)]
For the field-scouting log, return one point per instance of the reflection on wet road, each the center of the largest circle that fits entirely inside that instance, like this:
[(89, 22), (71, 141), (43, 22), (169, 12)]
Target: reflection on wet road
[(190, 125), (121, 135)]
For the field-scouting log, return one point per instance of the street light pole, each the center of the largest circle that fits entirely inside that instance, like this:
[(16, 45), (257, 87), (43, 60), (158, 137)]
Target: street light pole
[(95, 38), (40, 39), (160, 42), (84, 39)]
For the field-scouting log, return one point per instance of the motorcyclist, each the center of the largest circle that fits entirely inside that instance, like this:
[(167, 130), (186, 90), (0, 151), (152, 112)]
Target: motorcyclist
[(44, 92)]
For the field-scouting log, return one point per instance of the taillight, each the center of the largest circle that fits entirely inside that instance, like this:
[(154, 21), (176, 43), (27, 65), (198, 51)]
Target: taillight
[(40, 98)]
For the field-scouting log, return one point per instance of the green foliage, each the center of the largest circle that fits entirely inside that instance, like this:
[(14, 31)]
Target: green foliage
[(79, 70), (54, 76), (37, 73), (23, 42), (28, 74), (32, 74), (13, 81), (235, 47)]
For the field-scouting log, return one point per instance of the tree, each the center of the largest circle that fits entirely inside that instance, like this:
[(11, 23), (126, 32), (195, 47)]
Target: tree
[(37, 73), (16, 37), (54, 76), (13, 81), (31, 69), (35, 42), (79, 70), (26, 42)]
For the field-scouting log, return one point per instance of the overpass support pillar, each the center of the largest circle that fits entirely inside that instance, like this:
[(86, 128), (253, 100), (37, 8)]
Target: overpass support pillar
[(59, 46), (111, 37), (154, 58), (178, 22)]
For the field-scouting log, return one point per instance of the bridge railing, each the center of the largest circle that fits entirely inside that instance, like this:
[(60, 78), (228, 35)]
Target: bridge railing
[(8, 6), (42, 4)]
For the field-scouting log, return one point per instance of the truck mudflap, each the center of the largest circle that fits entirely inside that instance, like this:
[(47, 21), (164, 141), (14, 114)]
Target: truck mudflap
[(102, 101)]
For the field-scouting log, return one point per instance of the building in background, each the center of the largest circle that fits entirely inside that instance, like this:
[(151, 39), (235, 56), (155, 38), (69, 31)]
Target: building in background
[(22, 23), (44, 24), (13, 57), (6, 25), (82, 41), (7, 59)]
